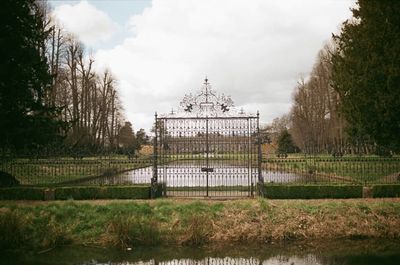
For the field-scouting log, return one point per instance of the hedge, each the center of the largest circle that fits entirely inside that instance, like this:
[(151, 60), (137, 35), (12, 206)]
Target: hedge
[(312, 191), (386, 190), (110, 192), (76, 193), (22, 193), (144, 192)]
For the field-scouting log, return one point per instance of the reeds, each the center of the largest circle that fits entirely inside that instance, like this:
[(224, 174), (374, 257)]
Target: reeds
[(12, 229), (132, 231)]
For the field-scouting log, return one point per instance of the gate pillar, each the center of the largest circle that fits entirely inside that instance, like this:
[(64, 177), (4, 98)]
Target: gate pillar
[(154, 180)]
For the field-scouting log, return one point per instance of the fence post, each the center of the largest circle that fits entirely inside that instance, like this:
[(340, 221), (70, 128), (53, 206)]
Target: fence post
[(154, 179)]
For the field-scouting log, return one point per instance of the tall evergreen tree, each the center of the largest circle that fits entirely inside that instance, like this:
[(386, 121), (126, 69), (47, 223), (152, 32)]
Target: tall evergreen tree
[(366, 72), (25, 120), (141, 138), (285, 143), (126, 137)]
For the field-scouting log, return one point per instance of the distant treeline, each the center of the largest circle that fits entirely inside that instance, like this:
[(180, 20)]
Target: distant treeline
[(50, 93), (350, 103)]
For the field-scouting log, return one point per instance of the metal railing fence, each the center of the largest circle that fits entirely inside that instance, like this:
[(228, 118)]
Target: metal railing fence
[(84, 171), (121, 170), (325, 169)]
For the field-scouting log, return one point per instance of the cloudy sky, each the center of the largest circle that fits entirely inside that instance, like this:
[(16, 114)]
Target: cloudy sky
[(253, 50)]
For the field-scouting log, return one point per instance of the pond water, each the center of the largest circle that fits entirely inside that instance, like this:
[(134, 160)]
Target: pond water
[(190, 174), (339, 253)]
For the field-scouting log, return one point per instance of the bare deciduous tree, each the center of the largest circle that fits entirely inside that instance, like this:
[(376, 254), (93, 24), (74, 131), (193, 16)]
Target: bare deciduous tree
[(89, 100), (316, 122)]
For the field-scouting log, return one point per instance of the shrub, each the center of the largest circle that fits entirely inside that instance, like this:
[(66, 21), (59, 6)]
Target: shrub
[(8, 180)]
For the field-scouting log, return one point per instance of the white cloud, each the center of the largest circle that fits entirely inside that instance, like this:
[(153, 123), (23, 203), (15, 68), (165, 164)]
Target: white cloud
[(88, 23), (252, 50)]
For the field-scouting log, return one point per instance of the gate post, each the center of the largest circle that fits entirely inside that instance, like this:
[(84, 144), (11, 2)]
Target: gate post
[(207, 158), (259, 142), (154, 179)]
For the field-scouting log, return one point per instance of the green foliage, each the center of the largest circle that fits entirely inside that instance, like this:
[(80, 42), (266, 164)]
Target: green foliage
[(96, 192), (129, 142), (366, 72), (26, 121), (386, 190), (141, 138), (22, 193), (312, 191), (285, 143), (126, 138)]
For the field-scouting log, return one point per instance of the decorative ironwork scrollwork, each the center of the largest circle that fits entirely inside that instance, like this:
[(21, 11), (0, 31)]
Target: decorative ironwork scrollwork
[(207, 103)]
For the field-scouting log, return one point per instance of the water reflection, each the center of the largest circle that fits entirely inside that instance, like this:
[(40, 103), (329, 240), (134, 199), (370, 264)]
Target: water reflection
[(190, 174), (308, 259), (341, 252), (279, 260)]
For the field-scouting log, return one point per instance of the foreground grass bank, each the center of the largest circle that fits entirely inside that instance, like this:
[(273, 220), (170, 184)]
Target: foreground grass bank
[(42, 225)]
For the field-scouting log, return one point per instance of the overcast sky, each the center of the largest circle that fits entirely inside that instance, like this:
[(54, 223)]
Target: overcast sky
[(253, 50)]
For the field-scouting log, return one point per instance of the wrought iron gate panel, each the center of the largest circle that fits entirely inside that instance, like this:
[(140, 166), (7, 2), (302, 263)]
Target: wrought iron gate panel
[(211, 155)]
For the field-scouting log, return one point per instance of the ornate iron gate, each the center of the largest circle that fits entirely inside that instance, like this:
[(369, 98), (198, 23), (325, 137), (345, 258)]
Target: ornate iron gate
[(207, 149)]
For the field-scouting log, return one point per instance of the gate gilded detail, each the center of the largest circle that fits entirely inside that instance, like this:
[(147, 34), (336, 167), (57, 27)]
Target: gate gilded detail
[(208, 148)]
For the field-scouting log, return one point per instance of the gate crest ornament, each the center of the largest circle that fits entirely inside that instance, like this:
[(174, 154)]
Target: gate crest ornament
[(207, 103)]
